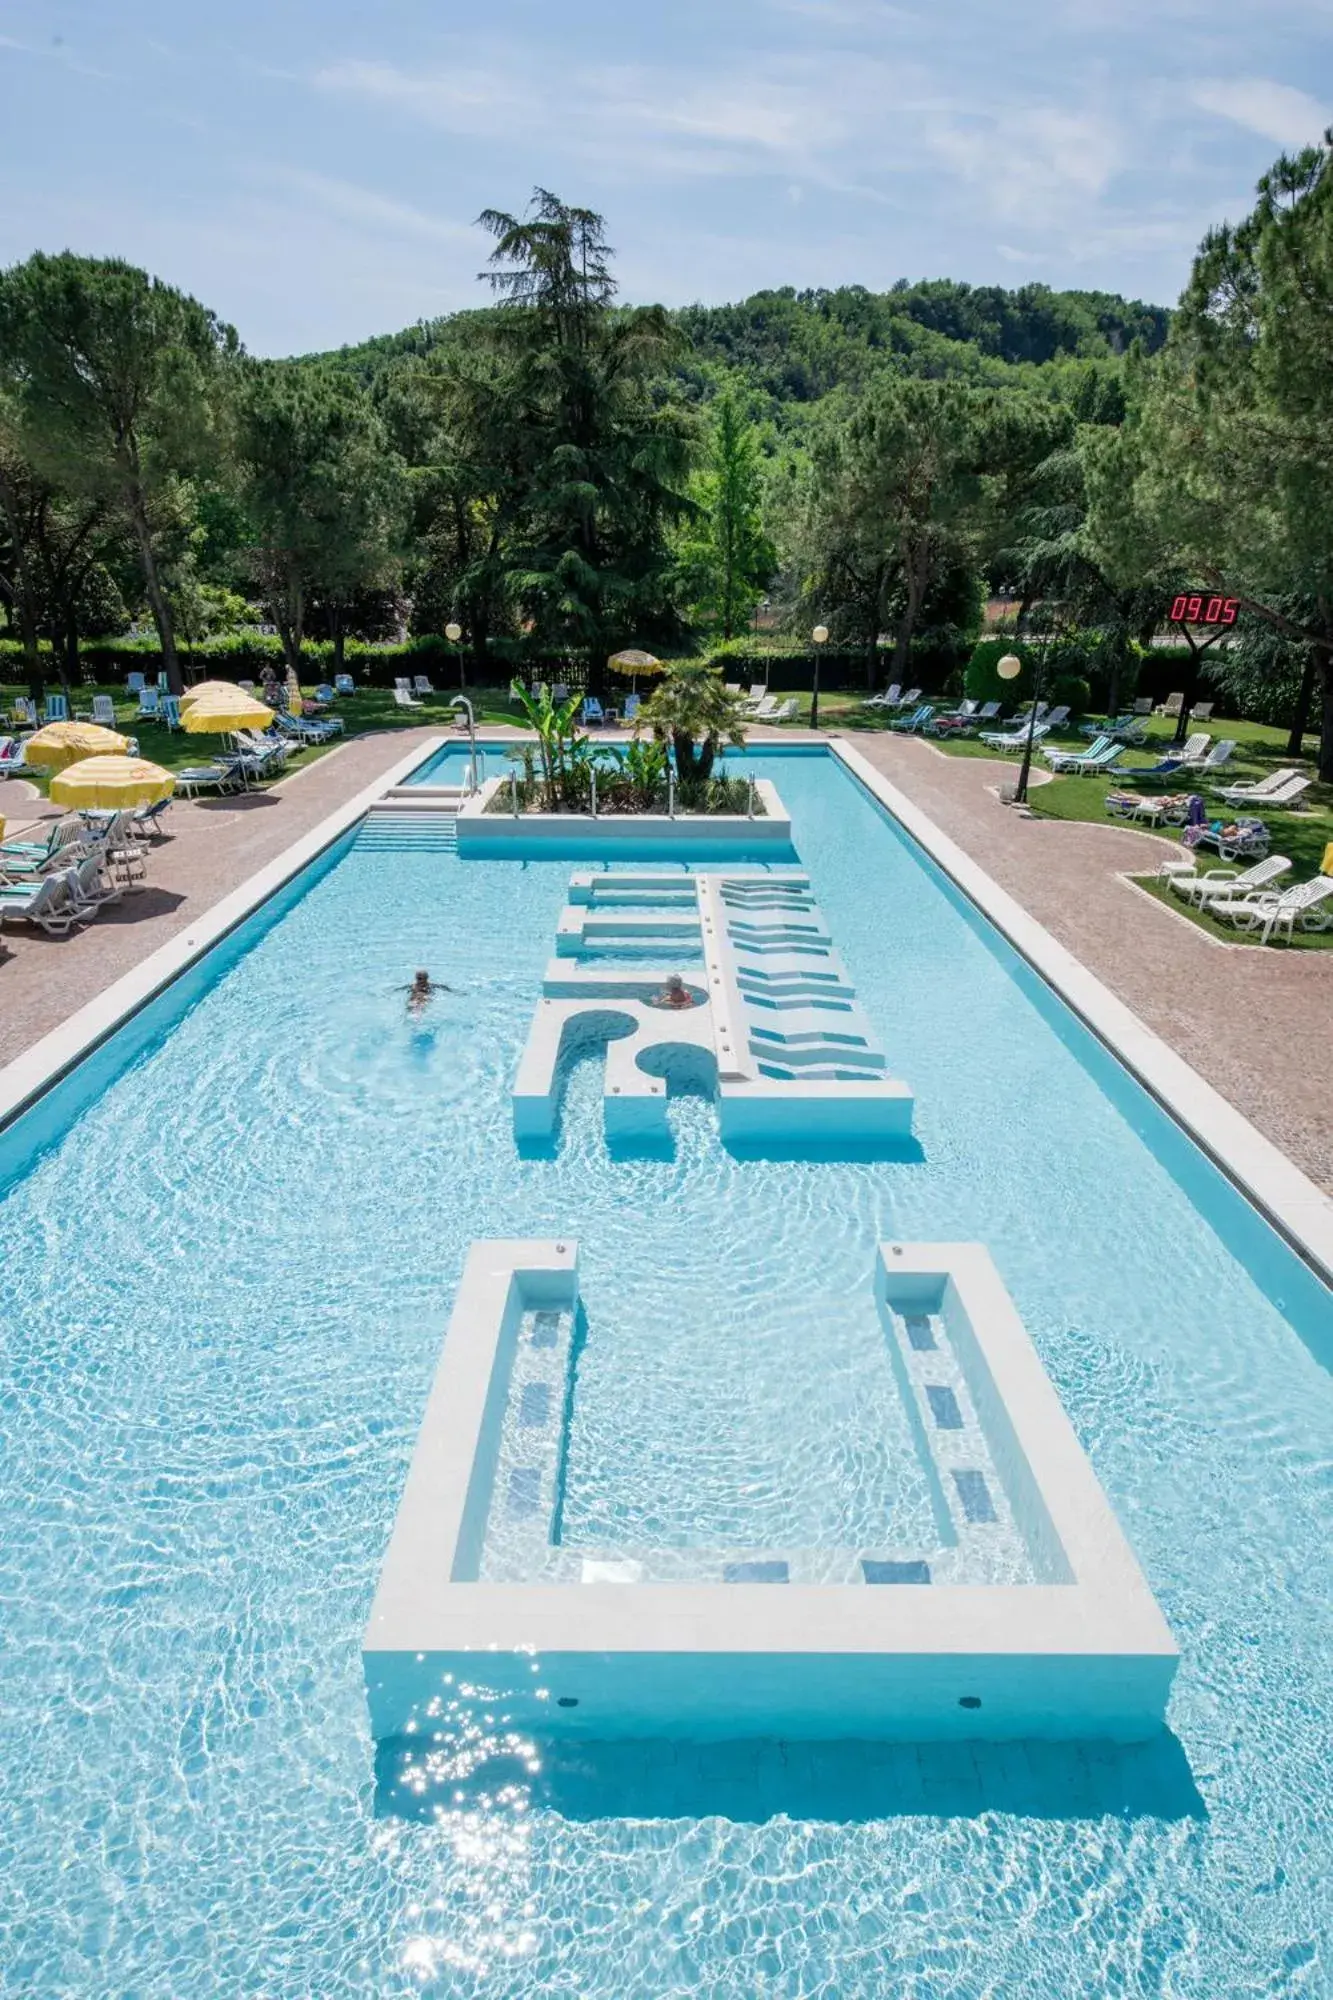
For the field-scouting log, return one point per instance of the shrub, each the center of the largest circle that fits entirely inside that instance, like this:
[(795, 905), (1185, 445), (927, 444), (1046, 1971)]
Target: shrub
[(1068, 690), (984, 683)]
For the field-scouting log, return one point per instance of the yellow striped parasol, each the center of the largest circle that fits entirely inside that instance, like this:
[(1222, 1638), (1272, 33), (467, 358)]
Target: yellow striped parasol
[(60, 743), (112, 783), (219, 713), (210, 690)]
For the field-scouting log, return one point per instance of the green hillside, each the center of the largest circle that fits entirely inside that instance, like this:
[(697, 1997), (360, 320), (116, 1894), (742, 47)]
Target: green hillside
[(792, 348)]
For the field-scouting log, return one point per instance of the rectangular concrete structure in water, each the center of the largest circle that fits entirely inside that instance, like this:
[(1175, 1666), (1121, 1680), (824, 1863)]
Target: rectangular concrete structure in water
[(1078, 1650)]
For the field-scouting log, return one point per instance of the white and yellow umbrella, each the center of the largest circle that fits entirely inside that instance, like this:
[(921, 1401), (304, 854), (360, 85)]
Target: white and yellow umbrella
[(222, 710), (60, 743), (112, 784), (213, 691)]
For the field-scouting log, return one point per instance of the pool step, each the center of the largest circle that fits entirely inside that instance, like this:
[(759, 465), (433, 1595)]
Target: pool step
[(413, 817)]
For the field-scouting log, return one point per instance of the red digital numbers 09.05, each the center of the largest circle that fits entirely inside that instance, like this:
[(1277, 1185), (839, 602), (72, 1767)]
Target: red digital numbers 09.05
[(1193, 608)]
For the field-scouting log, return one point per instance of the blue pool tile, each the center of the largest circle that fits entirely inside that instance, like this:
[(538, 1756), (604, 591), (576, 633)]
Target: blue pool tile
[(545, 1329), (944, 1407), (534, 1405), (974, 1494), (525, 1489), (755, 1572), (920, 1332), (895, 1572)]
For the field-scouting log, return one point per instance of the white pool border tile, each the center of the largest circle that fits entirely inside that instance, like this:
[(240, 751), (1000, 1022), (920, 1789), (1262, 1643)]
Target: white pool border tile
[(1289, 1199), (29, 1075)]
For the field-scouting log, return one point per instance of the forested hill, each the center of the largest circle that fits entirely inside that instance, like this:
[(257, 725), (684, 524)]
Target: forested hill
[(801, 344), (794, 347)]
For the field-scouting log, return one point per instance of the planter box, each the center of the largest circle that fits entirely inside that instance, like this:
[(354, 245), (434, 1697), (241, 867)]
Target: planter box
[(622, 836)]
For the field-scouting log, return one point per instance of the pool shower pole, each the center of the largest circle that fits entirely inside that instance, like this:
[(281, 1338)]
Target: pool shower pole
[(671, 795), (749, 803), (461, 701), (513, 792), (592, 781)]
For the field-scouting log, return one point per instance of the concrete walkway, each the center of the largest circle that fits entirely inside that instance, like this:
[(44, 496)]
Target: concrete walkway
[(1258, 1024)]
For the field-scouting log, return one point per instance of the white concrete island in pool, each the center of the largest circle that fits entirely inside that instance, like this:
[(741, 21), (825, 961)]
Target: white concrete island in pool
[(773, 1030), (485, 831), (1028, 1617)]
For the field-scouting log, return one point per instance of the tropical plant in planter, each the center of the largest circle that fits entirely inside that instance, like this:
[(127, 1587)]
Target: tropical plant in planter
[(644, 771), (692, 710), (561, 749)]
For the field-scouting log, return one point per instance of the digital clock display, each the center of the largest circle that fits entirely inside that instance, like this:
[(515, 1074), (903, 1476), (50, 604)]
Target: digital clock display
[(1196, 608)]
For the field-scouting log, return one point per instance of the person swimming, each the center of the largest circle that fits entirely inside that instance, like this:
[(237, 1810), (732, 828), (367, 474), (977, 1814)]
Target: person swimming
[(674, 994), (422, 991)]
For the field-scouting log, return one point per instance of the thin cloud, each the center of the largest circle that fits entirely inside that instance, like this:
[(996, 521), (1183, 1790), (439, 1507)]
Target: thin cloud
[(348, 202), (462, 100), (1274, 110), (1032, 162)]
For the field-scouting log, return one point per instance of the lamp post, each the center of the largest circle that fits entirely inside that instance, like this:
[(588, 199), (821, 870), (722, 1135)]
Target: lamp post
[(1009, 668), (453, 632), (762, 606), (820, 638)]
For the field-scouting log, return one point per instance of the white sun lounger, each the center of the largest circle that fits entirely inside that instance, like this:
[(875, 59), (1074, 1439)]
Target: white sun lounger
[(1226, 884), (1267, 913), (1278, 788)]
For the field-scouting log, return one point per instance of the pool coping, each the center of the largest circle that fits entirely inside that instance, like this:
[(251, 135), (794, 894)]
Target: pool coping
[(30, 1075), (1287, 1198)]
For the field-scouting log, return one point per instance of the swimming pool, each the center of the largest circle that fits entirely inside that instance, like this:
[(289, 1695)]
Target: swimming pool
[(223, 1292)]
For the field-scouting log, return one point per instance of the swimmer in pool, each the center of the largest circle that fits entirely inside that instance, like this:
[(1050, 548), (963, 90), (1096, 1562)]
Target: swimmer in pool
[(674, 994), (422, 991)]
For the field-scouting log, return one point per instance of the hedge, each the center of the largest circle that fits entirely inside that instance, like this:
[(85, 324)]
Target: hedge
[(248, 653)]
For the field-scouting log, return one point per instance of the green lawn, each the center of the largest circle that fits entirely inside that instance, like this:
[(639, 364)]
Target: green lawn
[(1229, 934), (1301, 836), (370, 709)]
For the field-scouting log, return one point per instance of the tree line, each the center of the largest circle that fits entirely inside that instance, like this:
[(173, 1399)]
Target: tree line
[(560, 473)]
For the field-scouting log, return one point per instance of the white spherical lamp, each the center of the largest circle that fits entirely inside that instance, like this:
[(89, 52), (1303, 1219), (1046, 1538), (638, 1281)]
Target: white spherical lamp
[(453, 632), (820, 634), (1009, 668)]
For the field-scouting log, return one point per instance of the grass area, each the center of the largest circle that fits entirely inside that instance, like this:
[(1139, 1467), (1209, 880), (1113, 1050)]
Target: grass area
[(1228, 933), (1301, 836), (362, 713)]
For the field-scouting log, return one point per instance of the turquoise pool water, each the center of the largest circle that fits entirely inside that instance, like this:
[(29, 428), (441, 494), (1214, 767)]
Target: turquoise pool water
[(224, 1284)]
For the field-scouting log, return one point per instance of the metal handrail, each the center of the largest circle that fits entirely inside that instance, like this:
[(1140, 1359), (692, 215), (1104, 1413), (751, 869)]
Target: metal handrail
[(461, 701)]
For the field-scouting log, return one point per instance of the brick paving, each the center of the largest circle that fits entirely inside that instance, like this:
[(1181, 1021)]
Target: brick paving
[(1256, 1023), (214, 845)]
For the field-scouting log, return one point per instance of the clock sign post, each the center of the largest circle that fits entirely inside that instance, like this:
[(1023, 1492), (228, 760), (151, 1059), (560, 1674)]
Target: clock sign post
[(1216, 613)]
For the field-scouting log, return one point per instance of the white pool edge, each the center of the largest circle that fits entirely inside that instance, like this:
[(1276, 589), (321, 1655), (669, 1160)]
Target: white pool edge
[(1300, 1212), (29, 1075)]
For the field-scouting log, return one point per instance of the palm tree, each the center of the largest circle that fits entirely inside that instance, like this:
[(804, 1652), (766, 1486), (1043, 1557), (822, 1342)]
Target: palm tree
[(693, 711)]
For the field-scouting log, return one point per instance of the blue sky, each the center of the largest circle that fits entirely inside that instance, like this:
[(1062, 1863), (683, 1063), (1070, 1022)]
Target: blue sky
[(312, 169)]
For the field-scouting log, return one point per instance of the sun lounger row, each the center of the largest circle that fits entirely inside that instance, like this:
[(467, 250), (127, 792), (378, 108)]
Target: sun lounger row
[(1249, 900), (81, 863)]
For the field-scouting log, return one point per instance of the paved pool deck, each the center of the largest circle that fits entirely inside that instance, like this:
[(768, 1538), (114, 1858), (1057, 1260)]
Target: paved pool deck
[(213, 845), (1255, 1023)]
